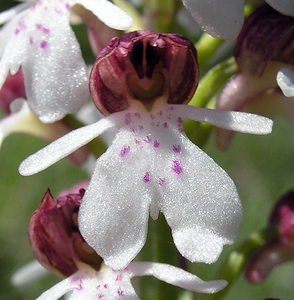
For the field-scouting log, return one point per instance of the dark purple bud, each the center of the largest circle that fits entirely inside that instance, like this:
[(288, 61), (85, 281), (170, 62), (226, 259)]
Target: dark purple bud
[(55, 237), (12, 89), (144, 66), (266, 35), (281, 247)]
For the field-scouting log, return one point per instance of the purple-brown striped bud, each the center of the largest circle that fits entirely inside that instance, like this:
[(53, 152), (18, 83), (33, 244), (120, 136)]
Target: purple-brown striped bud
[(55, 237), (144, 66), (266, 35)]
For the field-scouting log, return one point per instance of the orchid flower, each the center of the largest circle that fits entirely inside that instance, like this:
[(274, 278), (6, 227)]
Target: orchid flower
[(141, 80), (39, 39), (108, 284), (224, 19), (59, 246)]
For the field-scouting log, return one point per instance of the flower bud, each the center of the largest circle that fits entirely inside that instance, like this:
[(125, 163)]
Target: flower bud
[(144, 66), (266, 35), (55, 237)]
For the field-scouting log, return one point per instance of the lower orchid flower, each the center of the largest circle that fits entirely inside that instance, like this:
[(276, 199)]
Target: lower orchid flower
[(59, 246), (152, 166)]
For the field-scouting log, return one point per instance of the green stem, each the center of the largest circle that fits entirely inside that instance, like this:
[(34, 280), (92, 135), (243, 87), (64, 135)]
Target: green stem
[(159, 248), (206, 47), (160, 14), (237, 260)]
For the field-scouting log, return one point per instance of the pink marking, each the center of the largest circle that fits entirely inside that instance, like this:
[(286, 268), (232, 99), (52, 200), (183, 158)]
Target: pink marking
[(170, 108), (100, 296), (148, 139), (157, 124), (165, 125), (31, 41), (118, 278), (120, 292), (127, 118), (44, 44), (177, 167), (138, 115), (177, 148), (147, 177), (137, 142), (80, 287), (22, 25), (105, 286), (98, 286), (133, 129), (141, 127), (160, 113), (161, 181), (180, 121), (17, 31), (67, 6), (124, 151), (156, 144)]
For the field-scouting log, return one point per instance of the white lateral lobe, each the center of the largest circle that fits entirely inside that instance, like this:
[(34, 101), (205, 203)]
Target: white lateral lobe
[(64, 146), (176, 276), (231, 120)]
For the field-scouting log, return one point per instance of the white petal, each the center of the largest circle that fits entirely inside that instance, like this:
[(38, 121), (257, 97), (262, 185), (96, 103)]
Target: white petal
[(232, 120), (285, 7), (285, 79), (29, 273), (114, 213), (198, 199), (62, 147), (52, 64), (58, 290), (176, 276), (222, 19), (108, 13)]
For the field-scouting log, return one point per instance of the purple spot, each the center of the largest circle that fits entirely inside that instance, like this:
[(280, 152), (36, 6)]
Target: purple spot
[(118, 278), (160, 112), (127, 118), (124, 151), (17, 31), (161, 181), (180, 120), (98, 286), (165, 125), (133, 129), (137, 142), (138, 115), (31, 41), (170, 108), (67, 6), (44, 44), (148, 139), (141, 127), (177, 167), (156, 144), (105, 286), (80, 287), (120, 292), (147, 177), (177, 148), (100, 296)]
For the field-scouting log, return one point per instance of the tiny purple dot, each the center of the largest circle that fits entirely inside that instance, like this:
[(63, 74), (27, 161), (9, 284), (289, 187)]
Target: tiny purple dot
[(148, 139), (17, 31), (165, 125), (44, 44), (138, 115), (156, 144), (161, 181), (177, 148), (147, 177), (177, 167), (124, 151)]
